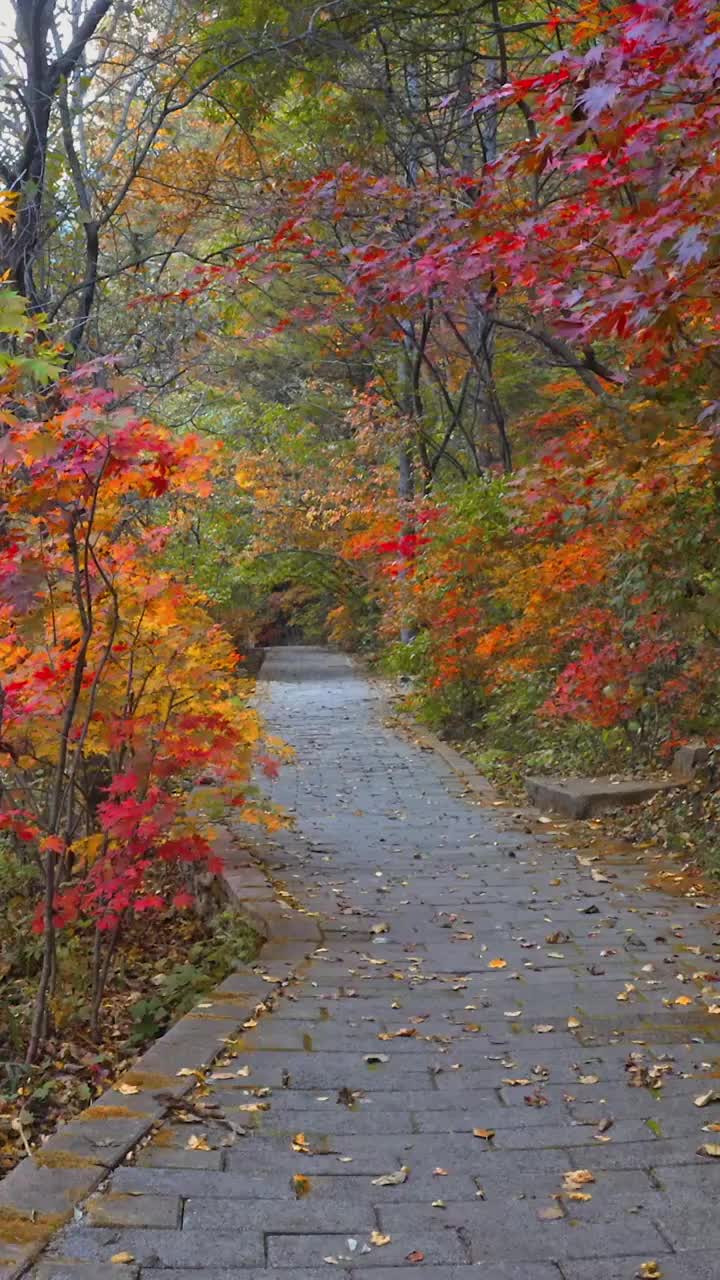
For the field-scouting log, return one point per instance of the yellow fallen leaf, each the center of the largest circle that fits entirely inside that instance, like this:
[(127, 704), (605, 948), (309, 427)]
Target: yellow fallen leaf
[(579, 1195), (588, 1079), (649, 1271), (487, 1134), (301, 1185), (300, 1143), (573, 1023), (683, 1000), (243, 1071), (195, 1143), (123, 1257), (379, 1239), (498, 964), (127, 1089), (709, 1149), (574, 1178), (255, 1106)]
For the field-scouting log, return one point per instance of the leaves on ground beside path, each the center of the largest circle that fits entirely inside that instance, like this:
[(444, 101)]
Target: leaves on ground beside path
[(709, 1149), (302, 1185), (165, 963), (486, 1134), (649, 1270)]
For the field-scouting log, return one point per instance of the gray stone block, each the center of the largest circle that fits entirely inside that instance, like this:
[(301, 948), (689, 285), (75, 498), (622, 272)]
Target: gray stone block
[(100, 1141), (50, 1270), (695, 1265), (115, 1209), (688, 759), (441, 1245), (248, 1185), (477, 1271), (155, 1250), (33, 1188), (586, 797), (162, 1156), (279, 1217)]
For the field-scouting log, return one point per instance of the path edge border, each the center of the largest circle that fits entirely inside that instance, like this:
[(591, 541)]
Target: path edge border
[(39, 1196)]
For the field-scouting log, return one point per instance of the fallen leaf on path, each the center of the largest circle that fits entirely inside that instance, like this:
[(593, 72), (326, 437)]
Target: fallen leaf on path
[(704, 1099), (197, 1143), (376, 1057), (574, 1178), (123, 1257), (543, 1027), (128, 1088), (588, 1079), (497, 964), (300, 1143), (573, 1023), (551, 1213), (301, 1185), (405, 1033), (709, 1149), (379, 1239), (440, 1173), (649, 1271), (415, 1256), (487, 1134), (392, 1179)]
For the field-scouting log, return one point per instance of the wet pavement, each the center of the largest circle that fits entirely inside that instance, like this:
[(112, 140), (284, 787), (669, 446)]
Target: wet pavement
[(492, 1065)]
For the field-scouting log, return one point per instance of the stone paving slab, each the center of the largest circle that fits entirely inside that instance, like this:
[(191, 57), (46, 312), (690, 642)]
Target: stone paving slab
[(457, 1032)]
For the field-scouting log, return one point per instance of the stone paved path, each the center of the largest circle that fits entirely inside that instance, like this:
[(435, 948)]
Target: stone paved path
[(461, 1022)]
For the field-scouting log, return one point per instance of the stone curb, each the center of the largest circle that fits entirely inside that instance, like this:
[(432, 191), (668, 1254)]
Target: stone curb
[(40, 1194)]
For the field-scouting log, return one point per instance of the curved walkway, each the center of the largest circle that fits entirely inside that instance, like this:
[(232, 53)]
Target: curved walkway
[(491, 1067)]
